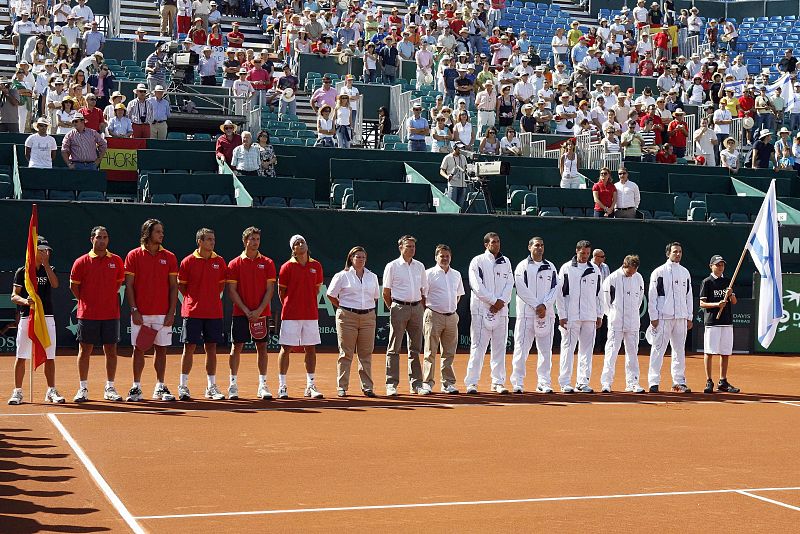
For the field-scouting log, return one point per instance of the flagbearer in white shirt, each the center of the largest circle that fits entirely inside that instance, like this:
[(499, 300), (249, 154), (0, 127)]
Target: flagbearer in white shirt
[(404, 288), (623, 293), (580, 314), (670, 307), (491, 281), (440, 322), (536, 280)]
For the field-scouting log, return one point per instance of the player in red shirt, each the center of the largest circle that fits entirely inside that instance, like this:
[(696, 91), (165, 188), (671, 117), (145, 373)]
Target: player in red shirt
[(151, 287), (251, 285), (201, 279), (298, 287), (95, 280)]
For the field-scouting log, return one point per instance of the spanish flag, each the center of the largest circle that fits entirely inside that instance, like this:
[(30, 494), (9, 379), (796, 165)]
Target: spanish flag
[(37, 326)]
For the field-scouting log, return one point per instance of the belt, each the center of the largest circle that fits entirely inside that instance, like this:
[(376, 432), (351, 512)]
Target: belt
[(93, 161), (440, 313), (403, 303), (158, 122), (360, 312), (623, 209), (486, 110)]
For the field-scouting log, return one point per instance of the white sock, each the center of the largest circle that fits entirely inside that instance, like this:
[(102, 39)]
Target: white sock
[(184, 381), (309, 378), (137, 384), (282, 380), (20, 389), (233, 380), (212, 379), (109, 384), (262, 379), (84, 384), (159, 385)]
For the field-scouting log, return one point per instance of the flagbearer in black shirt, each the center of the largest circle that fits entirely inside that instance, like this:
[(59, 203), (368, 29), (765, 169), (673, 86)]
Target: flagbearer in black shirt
[(47, 281), (718, 337)]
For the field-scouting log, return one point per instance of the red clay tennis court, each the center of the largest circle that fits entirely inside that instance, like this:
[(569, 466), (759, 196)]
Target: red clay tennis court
[(664, 463)]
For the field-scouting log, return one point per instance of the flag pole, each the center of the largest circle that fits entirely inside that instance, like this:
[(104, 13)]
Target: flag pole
[(733, 280), (32, 369)]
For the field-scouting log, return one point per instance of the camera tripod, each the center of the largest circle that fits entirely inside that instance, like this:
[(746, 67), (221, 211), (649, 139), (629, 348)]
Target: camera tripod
[(481, 187)]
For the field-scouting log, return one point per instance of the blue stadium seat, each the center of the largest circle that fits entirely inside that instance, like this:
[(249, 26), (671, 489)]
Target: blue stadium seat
[(164, 198), (221, 200), (91, 196), (274, 202), (301, 203), (190, 198)]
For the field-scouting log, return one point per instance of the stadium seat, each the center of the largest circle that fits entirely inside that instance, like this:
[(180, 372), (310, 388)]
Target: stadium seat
[(56, 194), (221, 200), (681, 206), (91, 196), (664, 216), (574, 212), (301, 203), (177, 135), (202, 137), (190, 198), (368, 205), (417, 206), (392, 206), (718, 217), (739, 218), (164, 198)]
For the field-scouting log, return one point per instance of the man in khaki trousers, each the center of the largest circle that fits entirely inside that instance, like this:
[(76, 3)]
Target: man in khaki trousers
[(440, 322), (404, 289)]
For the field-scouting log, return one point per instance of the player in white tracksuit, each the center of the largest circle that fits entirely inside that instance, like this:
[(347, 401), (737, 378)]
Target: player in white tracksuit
[(670, 307), (580, 314), (491, 281), (536, 280), (623, 293)]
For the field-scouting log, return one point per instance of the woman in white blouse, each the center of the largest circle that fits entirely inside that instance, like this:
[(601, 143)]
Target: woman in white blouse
[(354, 291)]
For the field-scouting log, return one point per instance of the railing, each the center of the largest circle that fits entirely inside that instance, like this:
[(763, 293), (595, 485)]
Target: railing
[(583, 143), (691, 125), (538, 148), (254, 119), (405, 103), (737, 130), (688, 45), (554, 153), (114, 18), (612, 160)]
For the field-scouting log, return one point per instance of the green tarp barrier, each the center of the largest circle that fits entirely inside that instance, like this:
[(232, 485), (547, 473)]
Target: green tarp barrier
[(441, 202)]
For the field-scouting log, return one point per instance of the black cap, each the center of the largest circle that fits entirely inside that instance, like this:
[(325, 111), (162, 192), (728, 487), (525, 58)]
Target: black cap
[(42, 243), (715, 259)]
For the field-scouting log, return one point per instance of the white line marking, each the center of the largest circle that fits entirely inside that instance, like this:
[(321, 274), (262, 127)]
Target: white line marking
[(98, 478), (276, 407), (790, 403), (771, 501), (461, 503)]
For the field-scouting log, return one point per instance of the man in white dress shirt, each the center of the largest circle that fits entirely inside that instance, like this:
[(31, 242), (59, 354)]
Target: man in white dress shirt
[(491, 281), (536, 280), (628, 196), (404, 288), (440, 322)]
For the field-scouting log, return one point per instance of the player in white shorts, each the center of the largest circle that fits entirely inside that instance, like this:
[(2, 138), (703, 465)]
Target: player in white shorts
[(46, 282), (718, 335)]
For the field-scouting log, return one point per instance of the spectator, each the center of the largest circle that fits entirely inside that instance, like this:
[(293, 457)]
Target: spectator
[(344, 121), (418, 129), (486, 104), (463, 131), (464, 86), (82, 148), (227, 142), (650, 147), (506, 107), (93, 115), (632, 143), (23, 26), (441, 135), (788, 62), (384, 124), (198, 33), (765, 118), (528, 122), (705, 141), (666, 155), (9, 107), (490, 145), (604, 194), (93, 40), (628, 196), (24, 89), (389, 60), (200, 10), (678, 133), (169, 10), (453, 169), (120, 125), (235, 37), (102, 84), (783, 141), (325, 127), (730, 158), (40, 148), (763, 151), (565, 115), (287, 105), (140, 111), (568, 167), (246, 157), (207, 68), (83, 13), (693, 22), (161, 113), (268, 158), (324, 95), (611, 142), (184, 15)]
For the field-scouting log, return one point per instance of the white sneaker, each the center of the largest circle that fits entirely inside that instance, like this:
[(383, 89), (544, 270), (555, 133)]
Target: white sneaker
[(313, 392), (391, 391), (81, 396), (450, 389), (16, 397), (110, 394), (423, 390), (543, 388), (53, 396), (583, 388), (134, 394), (264, 392), (499, 388), (283, 392), (634, 388), (567, 389), (605, 389), (472, 389), (427, 387), (517, 389), (233, 391), (183, 393), (213, 393), (163, 393)]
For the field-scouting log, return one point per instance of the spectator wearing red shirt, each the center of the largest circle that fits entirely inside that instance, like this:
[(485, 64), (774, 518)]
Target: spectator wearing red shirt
[(646, 65), (665, 155), (661, 42), (746, 104), (604, 194), (93, 116), (251, 285), (198, 34), (201, 279), (228, 141), (298, 286), (95, 280), (235, 37), (658, 124), (678, 133), (151, 288), (395, 19), (457, 23), (260, 79)]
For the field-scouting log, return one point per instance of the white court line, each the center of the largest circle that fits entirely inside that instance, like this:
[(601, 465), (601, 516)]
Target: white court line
[(98, 478), (790, 403), (277, 407), (463, 503), (771, 501)]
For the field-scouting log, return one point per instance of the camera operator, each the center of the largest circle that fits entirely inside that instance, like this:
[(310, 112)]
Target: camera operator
[(9, 107), (156, 68), (453, 169)]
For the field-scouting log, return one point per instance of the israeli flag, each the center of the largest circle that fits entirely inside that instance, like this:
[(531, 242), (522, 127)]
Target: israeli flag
[(737, 86), (787, 89), (764, 246)]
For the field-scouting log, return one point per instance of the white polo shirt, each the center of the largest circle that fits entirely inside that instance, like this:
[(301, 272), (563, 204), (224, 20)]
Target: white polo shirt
[(354, 292), (444, 288), (406, 280)]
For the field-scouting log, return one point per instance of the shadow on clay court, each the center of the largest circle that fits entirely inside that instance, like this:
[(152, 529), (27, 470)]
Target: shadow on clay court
[(16, 501)]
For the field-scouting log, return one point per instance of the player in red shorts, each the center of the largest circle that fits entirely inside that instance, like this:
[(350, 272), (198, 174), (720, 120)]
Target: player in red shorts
[(95, 280), (251, 285), (151, 287), (201, 278), (298, 286)]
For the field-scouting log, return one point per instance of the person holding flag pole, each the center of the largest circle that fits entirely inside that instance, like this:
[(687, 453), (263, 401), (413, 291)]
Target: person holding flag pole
[(36, 332), (763, 243)]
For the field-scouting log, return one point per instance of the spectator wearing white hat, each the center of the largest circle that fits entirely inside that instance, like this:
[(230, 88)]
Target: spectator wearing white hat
[(40, 148), (140, 112), (486, 104), (161, 113), (207, 67)]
